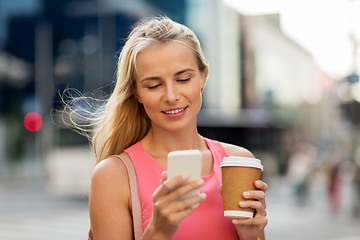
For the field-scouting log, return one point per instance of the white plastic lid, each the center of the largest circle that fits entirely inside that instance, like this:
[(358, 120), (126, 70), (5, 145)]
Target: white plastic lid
[(232, 161)]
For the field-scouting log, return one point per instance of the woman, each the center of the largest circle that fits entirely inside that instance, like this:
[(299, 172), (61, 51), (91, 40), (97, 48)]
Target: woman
[(152, 111)]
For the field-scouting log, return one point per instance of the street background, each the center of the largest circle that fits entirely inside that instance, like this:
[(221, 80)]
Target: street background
[(283, 83)]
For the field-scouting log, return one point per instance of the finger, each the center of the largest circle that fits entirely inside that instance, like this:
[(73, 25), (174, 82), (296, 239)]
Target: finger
[(177, 217), (254, 194), (169, 185), (261, 185), (257, 205), (163, 176), (260, 204), (182, 205), (175, 211), (180, 191)]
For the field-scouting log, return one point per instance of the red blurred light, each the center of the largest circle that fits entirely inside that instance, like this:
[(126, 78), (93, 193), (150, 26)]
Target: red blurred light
[(33, 121)]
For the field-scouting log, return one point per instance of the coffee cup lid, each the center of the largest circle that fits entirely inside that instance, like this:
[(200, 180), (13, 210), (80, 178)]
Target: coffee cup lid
[(241, 162)]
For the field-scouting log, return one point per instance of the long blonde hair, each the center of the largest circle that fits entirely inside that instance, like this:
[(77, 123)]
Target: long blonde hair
[(122, 121)]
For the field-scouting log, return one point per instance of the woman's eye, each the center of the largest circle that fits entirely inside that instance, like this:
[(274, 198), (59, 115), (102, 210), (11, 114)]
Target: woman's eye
[(184, 80), (153, 86)]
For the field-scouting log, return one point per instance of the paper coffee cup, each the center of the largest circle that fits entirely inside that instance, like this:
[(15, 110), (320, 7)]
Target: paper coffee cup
[(238, 175)]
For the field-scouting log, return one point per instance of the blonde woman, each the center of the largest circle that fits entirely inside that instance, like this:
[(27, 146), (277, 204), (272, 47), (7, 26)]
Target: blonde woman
[(160, 78)]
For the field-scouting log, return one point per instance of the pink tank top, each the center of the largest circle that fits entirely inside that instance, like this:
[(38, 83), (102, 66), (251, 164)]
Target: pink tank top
[(207, 221)]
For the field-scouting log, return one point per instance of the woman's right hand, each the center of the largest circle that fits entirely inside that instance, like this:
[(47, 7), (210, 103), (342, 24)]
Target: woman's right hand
[(168, 211)]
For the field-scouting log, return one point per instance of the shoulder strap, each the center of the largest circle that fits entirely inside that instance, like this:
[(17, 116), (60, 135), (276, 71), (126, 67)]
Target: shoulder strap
[(134, 193), (217, 149)]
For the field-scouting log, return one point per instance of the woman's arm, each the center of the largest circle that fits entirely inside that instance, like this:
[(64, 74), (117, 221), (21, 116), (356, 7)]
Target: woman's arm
[(110, 210), (110, 214), (262, 235)]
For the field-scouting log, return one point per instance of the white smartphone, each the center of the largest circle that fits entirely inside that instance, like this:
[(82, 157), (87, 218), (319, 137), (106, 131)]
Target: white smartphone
[(185, 162)]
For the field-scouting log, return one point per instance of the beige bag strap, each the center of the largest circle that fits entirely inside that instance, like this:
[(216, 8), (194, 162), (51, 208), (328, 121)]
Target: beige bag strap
[(134, 193)]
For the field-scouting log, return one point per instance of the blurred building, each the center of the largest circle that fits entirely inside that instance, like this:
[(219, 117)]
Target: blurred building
[(47, 46), (262, 85)]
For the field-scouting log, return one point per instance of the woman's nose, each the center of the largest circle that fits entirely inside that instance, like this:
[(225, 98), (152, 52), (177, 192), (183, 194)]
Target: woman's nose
[(171, 94)]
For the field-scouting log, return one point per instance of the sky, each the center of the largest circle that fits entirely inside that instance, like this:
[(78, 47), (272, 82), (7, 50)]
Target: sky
[(322, 27)]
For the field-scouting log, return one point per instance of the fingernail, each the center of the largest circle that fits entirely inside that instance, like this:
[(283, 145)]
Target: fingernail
[(242, 204), (185, 177), (203, 195), (235, 221), (246, 194), (200, 182)]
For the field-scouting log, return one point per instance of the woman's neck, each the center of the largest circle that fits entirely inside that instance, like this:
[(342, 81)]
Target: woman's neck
[(158, 144)]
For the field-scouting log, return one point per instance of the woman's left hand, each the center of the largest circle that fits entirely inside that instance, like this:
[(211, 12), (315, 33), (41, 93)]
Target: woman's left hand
[(252, 228)]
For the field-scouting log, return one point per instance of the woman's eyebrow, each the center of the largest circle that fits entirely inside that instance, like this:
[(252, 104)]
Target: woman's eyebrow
[(176, 74), (149, 78), (182, 71)]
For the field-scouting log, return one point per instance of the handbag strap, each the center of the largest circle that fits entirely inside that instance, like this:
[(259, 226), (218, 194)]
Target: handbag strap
[(134, 194)]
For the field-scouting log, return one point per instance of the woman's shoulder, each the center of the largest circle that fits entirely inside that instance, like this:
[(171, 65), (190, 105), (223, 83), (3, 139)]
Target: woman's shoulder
[(109, 198), (234, 150), (111, 169)]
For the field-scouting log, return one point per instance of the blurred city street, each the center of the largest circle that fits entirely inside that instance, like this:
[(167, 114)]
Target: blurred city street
[(29, 211), (314, 221), (283, 82)]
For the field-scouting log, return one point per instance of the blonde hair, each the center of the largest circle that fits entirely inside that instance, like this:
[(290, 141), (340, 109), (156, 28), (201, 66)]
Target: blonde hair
[(122, 121)]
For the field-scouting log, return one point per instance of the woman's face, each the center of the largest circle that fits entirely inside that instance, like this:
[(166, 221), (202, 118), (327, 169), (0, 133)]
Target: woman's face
[(169, 84)]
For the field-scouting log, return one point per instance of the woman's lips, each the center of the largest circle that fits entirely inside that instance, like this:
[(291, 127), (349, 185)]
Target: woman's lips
[(175, 113)]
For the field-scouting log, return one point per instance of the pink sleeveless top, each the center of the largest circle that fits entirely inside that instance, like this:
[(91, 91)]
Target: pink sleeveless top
[(207, 221)]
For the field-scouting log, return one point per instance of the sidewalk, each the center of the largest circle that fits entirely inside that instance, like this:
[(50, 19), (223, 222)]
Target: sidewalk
[(312, 221), (28, 212)]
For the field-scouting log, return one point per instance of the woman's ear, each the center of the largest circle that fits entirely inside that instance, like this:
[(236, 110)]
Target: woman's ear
[(204, 77), (136, 95)]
